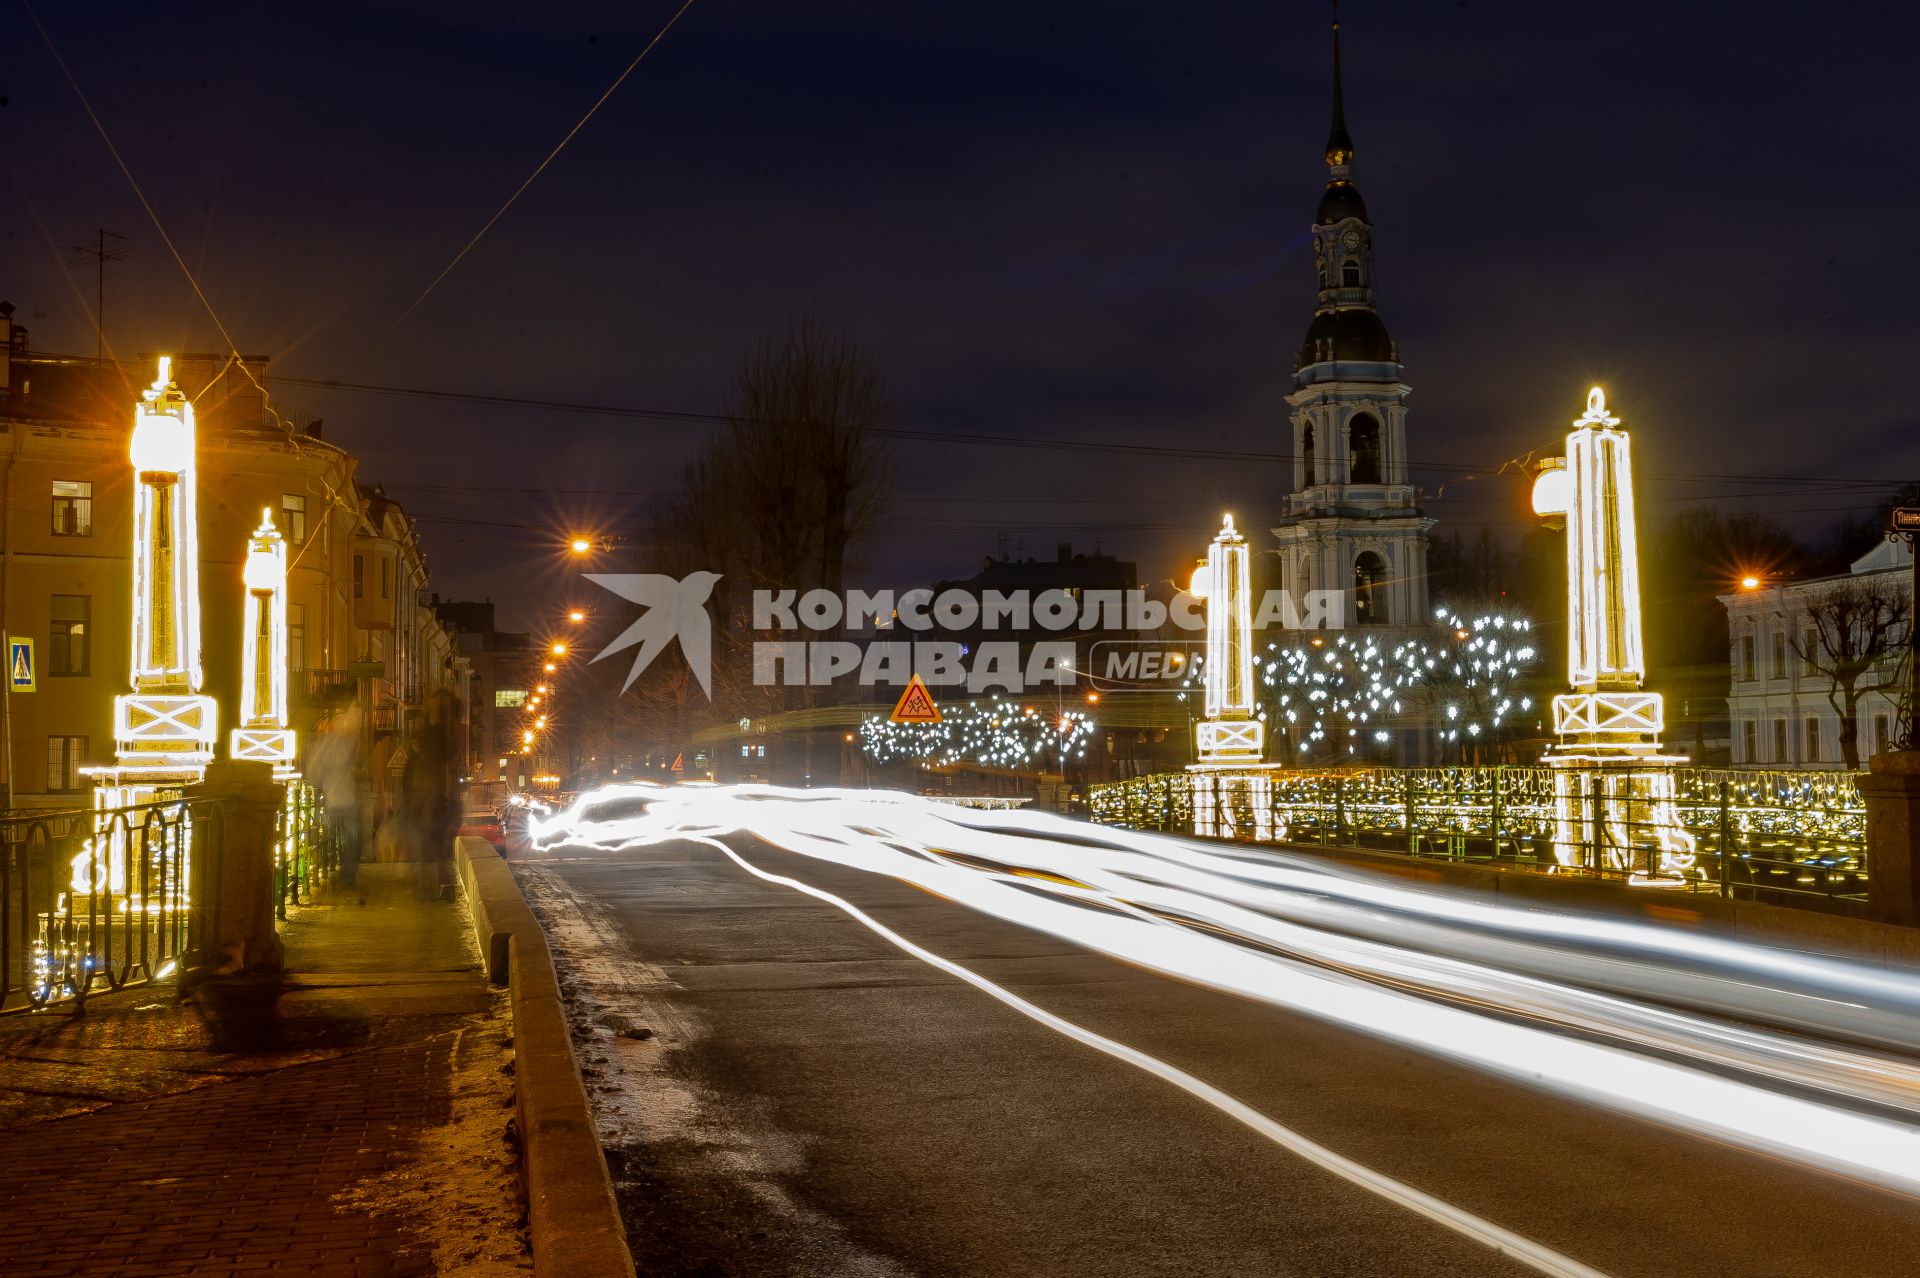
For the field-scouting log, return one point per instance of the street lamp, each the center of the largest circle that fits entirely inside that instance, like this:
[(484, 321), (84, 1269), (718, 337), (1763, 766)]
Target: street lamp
[(576, 614), (1749, 582), (580, 545), (559, 649)]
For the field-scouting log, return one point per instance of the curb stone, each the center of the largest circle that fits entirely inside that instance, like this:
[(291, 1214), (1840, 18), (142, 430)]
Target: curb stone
[(573, 1219)]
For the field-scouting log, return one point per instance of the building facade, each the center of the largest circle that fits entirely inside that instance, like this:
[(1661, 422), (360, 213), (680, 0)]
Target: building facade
[(1353, 523), (66, 566), (1782, 707)]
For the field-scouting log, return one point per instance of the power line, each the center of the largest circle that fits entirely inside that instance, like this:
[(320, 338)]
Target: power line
[(964, 438), (542, 166)]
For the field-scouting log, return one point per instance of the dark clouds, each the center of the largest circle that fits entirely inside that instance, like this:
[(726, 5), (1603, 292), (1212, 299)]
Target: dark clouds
[(1056, 219)]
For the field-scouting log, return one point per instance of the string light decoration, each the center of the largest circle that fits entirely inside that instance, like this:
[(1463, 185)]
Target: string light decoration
[(1348, 688), (996, 733), (1613, 787), (263, 735)]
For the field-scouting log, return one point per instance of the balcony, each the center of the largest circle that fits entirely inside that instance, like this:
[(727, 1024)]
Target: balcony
[(323, 689)]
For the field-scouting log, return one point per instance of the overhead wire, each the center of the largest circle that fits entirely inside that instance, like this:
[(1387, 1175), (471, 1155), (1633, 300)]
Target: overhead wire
[(542, 166)]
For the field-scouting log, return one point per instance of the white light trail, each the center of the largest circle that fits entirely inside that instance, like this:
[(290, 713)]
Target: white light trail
[(1272, 931)]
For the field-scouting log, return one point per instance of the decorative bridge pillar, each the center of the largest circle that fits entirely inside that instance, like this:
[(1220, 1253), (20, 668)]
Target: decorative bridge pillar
[(263, 735), (1613, 786), (1231, 791), (163, 727)]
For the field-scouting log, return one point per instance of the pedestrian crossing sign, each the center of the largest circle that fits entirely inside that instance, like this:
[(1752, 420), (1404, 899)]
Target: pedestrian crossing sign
[(916, 704), (20, 665)]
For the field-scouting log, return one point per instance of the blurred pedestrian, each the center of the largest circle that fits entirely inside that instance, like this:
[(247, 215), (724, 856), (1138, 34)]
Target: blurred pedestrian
[(427, 790), (333, 765)]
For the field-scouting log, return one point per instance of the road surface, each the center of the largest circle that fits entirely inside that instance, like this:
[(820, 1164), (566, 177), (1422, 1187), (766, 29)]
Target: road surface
[(786, 1090)]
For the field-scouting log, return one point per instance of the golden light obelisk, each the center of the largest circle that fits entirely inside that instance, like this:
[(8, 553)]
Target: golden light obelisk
[(263, 735), (1613, 786)]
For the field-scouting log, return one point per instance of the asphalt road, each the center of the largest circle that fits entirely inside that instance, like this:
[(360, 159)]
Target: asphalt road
[(785, 1093)]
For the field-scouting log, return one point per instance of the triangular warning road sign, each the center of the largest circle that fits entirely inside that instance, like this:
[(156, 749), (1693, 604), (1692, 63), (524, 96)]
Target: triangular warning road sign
[(680, 762), (916, 704)]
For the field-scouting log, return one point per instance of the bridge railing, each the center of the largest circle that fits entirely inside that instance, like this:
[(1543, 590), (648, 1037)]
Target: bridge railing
[(1791, 837), (99, 899)]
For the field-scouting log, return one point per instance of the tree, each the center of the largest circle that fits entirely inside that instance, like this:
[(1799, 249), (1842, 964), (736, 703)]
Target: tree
[(776, 502), (1857, 633)]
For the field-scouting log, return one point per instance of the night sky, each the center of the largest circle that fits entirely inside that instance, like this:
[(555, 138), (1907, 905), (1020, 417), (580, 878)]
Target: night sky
[(1054, 220)]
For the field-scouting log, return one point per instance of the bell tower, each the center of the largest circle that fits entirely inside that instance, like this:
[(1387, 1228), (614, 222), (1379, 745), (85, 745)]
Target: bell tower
[(1352, 524)]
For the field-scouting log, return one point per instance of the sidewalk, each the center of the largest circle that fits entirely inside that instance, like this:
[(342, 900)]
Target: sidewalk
[(352, 1119)]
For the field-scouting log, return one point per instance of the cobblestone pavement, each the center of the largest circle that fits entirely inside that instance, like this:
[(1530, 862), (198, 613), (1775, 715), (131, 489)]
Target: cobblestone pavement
[(351, 1120)]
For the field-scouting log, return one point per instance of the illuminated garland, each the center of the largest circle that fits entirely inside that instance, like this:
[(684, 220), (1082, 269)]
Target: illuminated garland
[(1349, 682), (996, 733)]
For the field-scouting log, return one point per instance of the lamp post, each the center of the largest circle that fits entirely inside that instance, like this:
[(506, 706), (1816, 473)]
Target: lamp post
[(1613, 787)]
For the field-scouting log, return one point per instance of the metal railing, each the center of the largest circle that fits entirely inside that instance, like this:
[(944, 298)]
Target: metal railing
[(305, 852), (100, 899), (1789, 837)]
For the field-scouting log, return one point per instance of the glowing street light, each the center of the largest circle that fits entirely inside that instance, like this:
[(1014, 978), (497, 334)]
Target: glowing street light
[(580, 545), (576, 614), (558, 649), (550, 667), (1749, 582)]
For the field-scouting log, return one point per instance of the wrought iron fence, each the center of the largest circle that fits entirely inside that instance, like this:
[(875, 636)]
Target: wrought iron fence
[(99, 899), (306, 852), (1794, 837)]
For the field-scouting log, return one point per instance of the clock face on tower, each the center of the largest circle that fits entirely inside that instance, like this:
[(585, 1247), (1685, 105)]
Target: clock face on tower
[(1351, 239)]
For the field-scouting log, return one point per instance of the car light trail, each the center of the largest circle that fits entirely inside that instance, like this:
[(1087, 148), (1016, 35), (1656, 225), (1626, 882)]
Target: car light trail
[(1357, 953)]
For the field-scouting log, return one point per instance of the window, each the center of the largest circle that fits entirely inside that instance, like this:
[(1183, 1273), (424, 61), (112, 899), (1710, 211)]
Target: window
[(1749, 741), (296, 636), (64, 756), (72, 508), (360, 576), (1813, 741), (293, 507), (1882, 734), (1363, 456), (1779, 654), (1780, 741), (1749, 651), (1307, 477), (386, 577), (509, 698), (67, 647), (1809, 651), (1349, 274), (1369, 590)]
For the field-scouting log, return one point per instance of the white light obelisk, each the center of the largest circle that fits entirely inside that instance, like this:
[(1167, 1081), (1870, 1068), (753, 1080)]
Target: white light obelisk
[(263, 735), (1613, 787), (163, 728), (1230, 734)]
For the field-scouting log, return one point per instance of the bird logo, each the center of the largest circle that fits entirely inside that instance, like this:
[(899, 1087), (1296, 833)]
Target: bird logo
[(672, 607)]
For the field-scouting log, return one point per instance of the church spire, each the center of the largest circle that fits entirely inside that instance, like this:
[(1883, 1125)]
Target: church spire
[(1339, 145)]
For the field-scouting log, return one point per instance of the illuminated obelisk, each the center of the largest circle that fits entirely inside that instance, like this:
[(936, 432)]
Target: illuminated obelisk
[(1230, 734), (1613, 786), (263, 735), (164, 727), (1231, 791)]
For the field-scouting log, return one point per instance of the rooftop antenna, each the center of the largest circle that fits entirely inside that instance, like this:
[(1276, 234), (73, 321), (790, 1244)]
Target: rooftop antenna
[(100, 253)]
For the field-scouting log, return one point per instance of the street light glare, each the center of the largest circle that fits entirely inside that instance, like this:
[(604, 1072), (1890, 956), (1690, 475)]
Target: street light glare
[(559, 650), (576, 615), (1749, 582), (580, 545)]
